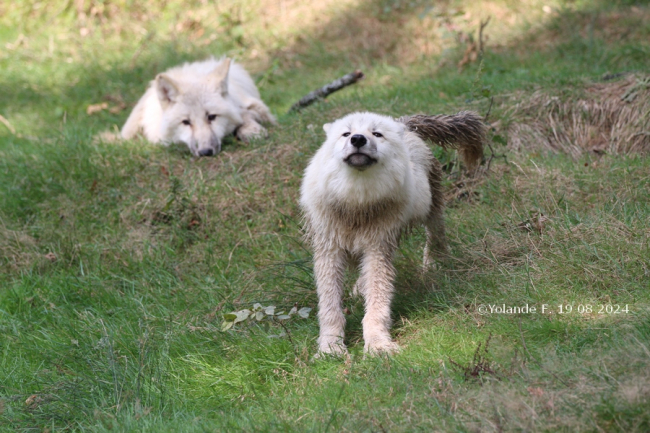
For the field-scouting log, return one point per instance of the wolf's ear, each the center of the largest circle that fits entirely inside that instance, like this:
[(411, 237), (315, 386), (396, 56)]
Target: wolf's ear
[(167, 90), (326, 127), (219, 77)]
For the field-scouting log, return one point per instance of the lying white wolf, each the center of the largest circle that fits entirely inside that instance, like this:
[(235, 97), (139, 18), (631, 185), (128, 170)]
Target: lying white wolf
[(373, 177), (199, 104)]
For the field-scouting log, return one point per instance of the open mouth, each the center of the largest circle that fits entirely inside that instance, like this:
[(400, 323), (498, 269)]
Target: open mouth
[(359, 160)]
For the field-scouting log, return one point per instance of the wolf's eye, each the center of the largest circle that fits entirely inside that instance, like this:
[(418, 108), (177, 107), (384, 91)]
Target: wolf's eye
[(186, 122), (378, 134), (346, 134), (211, 117)]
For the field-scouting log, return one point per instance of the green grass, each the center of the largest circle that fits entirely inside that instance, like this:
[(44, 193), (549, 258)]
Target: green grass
[(119, 259)]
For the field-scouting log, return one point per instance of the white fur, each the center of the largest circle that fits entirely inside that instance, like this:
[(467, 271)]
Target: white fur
[(192, 92), (360, 211)]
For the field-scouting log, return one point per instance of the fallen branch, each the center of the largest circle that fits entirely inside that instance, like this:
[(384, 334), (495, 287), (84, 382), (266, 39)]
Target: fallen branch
[(328, 89)]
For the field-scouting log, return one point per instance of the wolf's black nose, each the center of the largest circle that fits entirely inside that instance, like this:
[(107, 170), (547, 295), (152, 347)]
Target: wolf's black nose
[(358, 140), (206, 152)]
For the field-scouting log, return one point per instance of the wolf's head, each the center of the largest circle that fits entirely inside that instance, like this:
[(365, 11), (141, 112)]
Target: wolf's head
[(197, 109), (361, 140), (364, 159)]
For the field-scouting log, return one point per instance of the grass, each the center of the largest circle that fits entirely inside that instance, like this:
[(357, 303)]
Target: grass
[(119, 260)]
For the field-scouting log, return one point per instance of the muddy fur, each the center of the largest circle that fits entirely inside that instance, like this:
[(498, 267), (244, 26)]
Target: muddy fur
[(373, 178)]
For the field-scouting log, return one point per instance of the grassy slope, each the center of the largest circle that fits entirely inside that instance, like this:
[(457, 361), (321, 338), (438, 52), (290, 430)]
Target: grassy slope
[(122, 330)]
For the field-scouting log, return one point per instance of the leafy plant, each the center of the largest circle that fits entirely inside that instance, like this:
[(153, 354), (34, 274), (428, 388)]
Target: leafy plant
[(260, 313)]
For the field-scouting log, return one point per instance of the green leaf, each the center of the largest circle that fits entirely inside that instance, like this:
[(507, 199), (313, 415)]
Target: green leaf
[(242, 315), (226, 325), (304, 312), (229, 317)]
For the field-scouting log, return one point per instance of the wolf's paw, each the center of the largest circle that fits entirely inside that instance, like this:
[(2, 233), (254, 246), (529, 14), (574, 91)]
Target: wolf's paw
[(332, 349), (251, 130), (260, 112), (381, 346), (107, 137)]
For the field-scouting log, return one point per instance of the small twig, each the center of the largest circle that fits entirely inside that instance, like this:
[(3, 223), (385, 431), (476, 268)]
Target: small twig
[(493, 154), (489, 162), (480, 34), (485, 118), (480, 363), (328, 89), (293, 346), (288, 333), (474, 48)]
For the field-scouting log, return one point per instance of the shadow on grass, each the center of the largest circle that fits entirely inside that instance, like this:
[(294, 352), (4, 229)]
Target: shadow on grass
[(579, 42)]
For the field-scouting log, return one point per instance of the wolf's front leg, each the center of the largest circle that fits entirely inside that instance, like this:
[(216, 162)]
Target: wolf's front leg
[(377, 275), (329, 265), (134, 124), (259, 110), (250, 128)]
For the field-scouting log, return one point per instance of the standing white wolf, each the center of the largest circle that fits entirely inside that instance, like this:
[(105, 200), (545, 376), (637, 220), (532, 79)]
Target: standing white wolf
[(373, 177), (199, 104)]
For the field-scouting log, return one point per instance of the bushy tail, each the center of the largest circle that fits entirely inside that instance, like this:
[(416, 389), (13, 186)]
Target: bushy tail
[(464, 131)]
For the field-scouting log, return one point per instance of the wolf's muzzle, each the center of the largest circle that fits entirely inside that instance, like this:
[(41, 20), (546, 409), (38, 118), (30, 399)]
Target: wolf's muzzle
[(206, 152), (360, 161)]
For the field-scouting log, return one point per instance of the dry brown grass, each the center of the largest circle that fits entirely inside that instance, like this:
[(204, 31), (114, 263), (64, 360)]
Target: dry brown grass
[(609, 117), (17, 249)]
